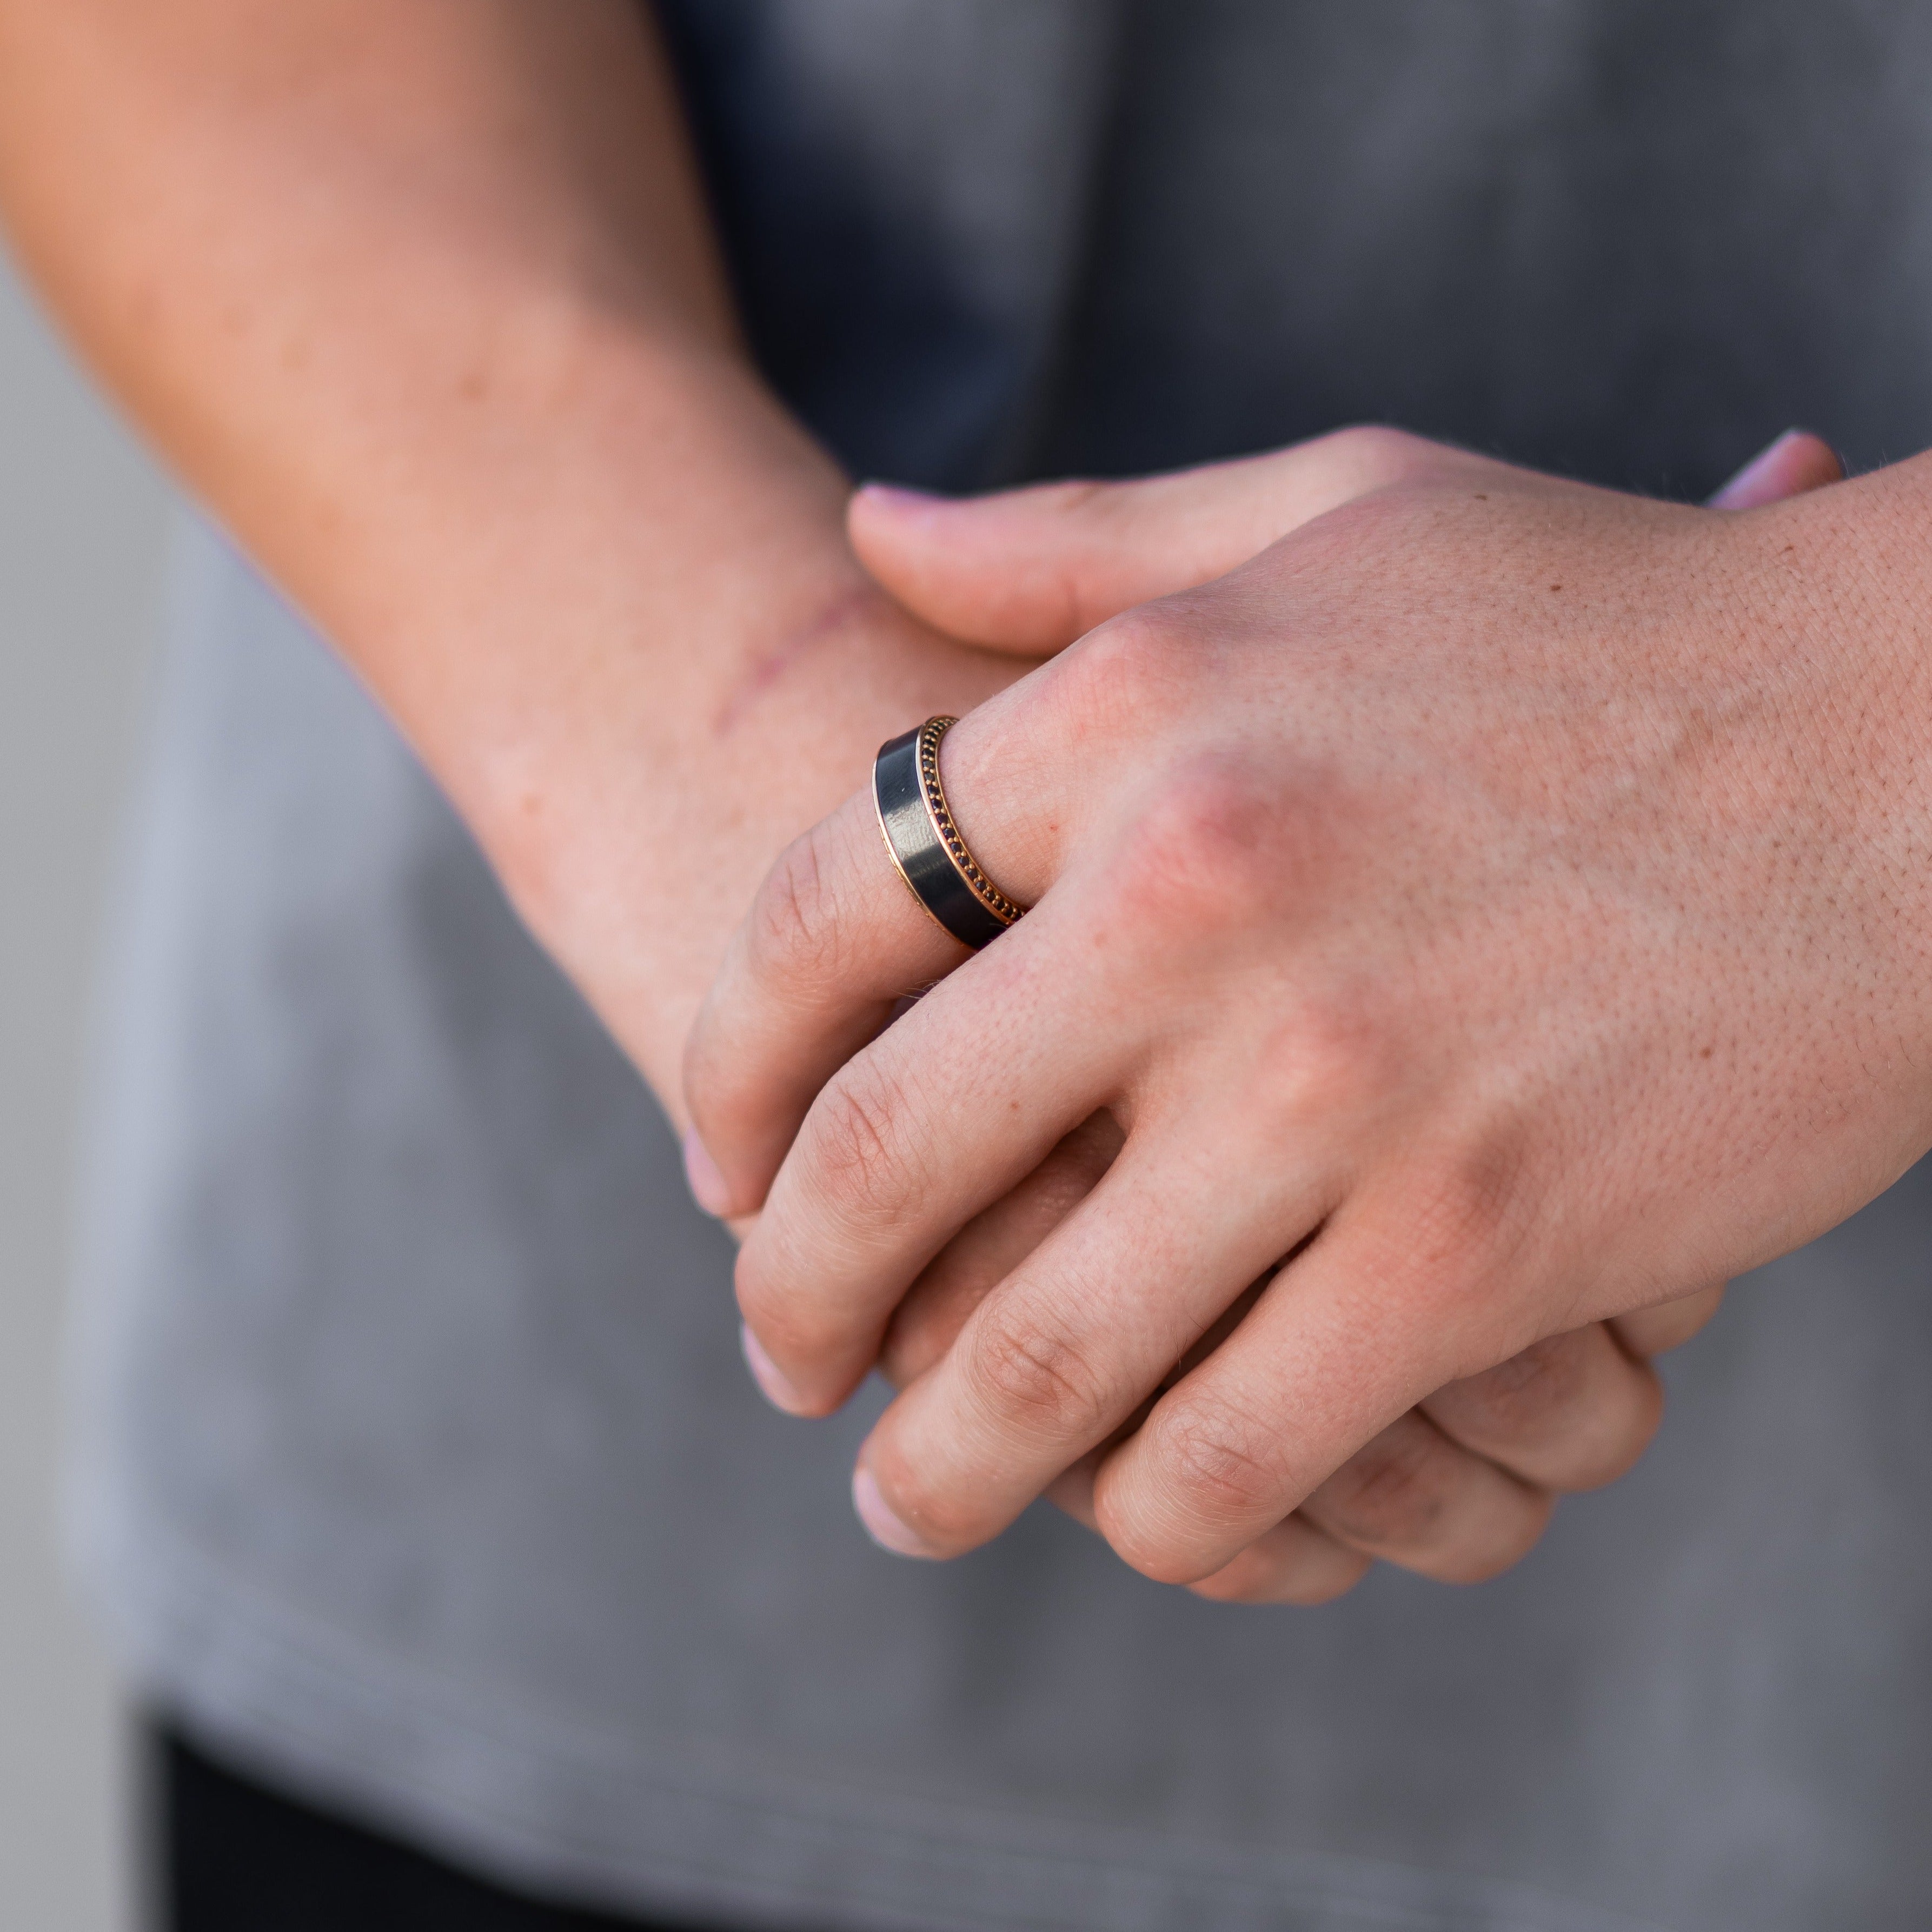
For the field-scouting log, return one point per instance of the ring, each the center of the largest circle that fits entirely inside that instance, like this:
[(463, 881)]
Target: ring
[(925, 845)]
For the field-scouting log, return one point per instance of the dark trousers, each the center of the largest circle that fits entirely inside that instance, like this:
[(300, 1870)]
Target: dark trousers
[(227, 1854)]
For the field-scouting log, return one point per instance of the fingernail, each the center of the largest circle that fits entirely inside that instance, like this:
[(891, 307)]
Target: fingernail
[(881, 1525), (772, 1380), (1745, 490), (702, 1177)]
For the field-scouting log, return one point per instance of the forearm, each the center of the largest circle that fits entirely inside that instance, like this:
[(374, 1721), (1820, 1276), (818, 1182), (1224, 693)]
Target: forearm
[(423, 302)]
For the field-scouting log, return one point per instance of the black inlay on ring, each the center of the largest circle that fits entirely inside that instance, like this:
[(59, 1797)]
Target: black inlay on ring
[(909, 831)]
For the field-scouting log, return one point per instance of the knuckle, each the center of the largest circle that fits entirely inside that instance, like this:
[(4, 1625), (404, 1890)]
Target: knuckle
[(859, 1146), (1228, 842), (1197, 859), (1374, 457), (1221, 1466), (1029, 1377), (1330, 1057), (794, 929), (1372, 453), (1122, 676)]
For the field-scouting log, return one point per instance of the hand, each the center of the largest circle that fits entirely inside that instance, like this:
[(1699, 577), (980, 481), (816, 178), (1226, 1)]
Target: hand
[(1459, 1490), (1434, 1492), (1309, 886)]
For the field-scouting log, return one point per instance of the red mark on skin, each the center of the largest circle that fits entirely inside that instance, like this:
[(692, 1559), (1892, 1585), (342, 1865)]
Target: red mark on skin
[(842, 609)]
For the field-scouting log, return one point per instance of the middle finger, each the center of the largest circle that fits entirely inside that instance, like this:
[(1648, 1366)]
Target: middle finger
[(991, 1246), (950, 1108), (1069, 1347)]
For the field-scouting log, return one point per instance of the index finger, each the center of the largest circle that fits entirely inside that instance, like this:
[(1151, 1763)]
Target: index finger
[(833, 940), (836, 935)]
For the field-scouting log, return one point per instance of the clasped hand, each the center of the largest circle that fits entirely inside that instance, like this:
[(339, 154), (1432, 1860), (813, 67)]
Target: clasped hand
[(1457, 947)]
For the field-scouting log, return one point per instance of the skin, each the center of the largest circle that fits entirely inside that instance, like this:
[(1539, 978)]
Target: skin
[(423, 302), (1033, 567), (1497, 906)]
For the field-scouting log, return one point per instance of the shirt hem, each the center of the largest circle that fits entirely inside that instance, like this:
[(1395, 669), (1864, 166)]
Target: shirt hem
[(619, 1829)]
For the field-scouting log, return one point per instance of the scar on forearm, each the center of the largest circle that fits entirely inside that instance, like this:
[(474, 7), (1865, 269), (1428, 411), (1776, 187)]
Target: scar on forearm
[(833, 618)]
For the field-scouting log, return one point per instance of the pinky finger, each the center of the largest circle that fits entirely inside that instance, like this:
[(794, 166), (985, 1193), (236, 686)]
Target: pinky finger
[(1292, 1563), (1655, 1331)]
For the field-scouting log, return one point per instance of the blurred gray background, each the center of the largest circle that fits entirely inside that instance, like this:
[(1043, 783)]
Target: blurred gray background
[(82, 517)]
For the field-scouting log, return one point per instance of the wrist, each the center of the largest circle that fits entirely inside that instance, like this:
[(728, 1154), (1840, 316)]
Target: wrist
[(632, 845)]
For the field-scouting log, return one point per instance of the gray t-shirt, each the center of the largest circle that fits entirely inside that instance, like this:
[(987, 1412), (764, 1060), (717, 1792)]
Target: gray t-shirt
[(416, 1464)]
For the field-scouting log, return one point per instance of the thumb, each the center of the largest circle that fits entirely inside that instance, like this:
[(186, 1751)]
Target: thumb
[(1030, 570)]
